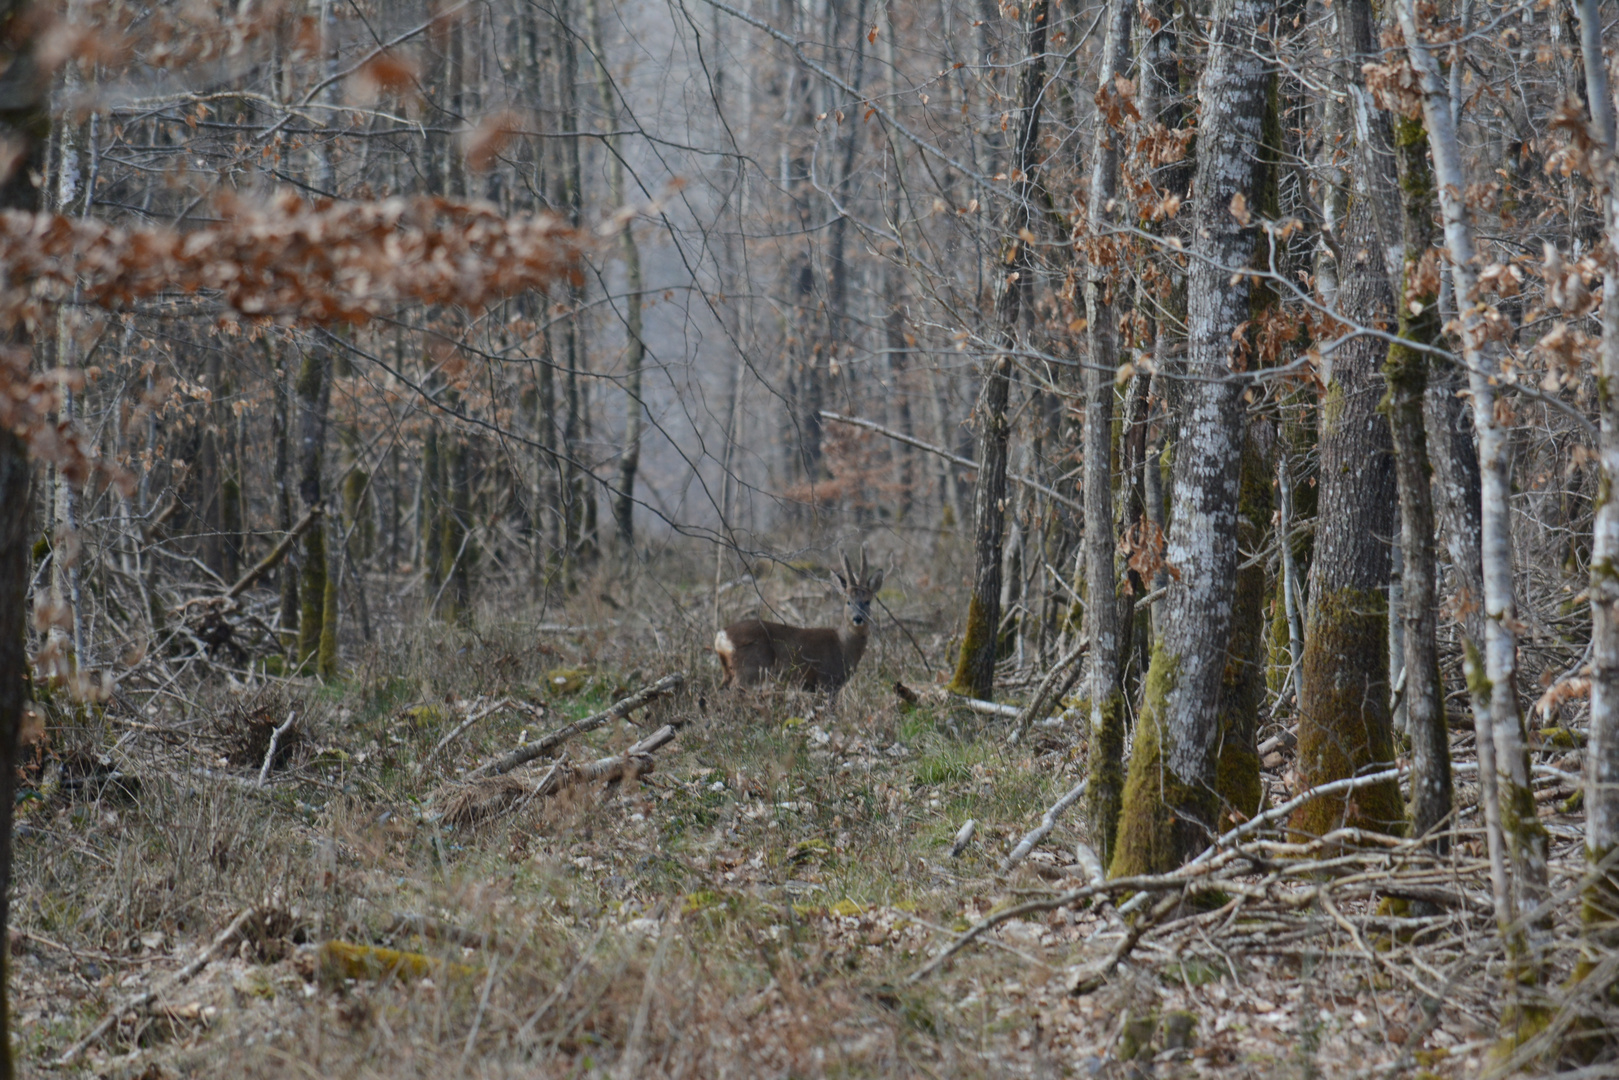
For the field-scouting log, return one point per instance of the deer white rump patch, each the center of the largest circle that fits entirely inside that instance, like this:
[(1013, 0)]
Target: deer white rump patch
[(722, 645)]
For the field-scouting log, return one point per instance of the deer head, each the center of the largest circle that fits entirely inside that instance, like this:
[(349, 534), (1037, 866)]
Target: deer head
[(858, 591)]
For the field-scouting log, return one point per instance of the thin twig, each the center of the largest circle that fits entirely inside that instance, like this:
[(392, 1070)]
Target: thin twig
[(472, 718)]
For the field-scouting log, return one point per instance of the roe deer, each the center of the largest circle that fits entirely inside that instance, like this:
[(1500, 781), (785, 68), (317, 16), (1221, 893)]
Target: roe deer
[(817, 657)]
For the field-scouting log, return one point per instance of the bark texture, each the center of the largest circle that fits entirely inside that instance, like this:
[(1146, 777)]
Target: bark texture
[(975, 670), (1344, 722), (1169, 799), (1602, 756), (1524, 835), (1406, 372), (1103, 688), (314, 391), (1242, 685), (25, 126)]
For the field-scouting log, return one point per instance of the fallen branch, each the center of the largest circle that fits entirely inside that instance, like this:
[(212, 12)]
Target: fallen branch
[(964, 836), (617, 711), (141, 1000), (1188, 878), (275, 744), (277, 553), (988, 708), (1048, 821), (1087, 981), (491, 797), (1065, 671)]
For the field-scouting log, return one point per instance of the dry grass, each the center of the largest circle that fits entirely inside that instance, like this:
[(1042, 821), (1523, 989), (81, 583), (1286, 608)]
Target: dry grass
[(751, 908)]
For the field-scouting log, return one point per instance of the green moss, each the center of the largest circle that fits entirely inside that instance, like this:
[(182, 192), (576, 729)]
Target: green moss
[(975, 670), (326, 665), (312, 593), (356, 486), (1161, 819), (1106, 792), (1243, 681), (1344, 724), (1236, 778), (1479, 687), (1135, 1041)]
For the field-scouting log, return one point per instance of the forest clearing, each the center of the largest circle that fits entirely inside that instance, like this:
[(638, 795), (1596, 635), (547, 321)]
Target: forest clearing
[(795, 538), (756, 902)]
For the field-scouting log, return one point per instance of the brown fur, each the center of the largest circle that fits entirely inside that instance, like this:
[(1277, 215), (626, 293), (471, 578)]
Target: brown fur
[(816, 658)]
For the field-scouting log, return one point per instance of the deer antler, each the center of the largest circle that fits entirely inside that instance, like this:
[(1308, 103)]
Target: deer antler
[(862, 564), (849, 580)]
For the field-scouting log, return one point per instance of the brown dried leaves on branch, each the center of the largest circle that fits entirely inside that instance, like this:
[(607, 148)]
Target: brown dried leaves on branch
[(289, 261), (29, 403)]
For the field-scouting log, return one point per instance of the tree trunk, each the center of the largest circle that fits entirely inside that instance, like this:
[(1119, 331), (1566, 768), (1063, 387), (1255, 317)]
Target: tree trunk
[(1406, 373), (1169, 798), (635, 347), (429, 517), (313, 391), (1525, 836), (975, 670), (1102, 685), (1602, 754), (1344, 721), (281, 436), (24, 121), (1242, 684), (16, 525), (456, 544)]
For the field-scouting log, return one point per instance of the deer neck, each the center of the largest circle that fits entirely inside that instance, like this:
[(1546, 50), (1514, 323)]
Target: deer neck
[(852, 639)]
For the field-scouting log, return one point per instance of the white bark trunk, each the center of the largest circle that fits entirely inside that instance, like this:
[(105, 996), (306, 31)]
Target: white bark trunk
[(1525, 836), (1602, 757)]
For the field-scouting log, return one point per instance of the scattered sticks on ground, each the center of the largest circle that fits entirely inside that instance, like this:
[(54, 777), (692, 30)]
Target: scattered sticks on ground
[(142, 1000), (617, 711), (489, 792), (1058, 681)]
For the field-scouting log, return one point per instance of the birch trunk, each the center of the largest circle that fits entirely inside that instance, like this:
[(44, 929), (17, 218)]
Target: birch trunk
[(1602, 754), (975, 670), (1169, 800), (1101, 541), (1525, 836)]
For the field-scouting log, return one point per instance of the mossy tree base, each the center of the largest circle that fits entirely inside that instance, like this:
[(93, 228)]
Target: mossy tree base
[(1344, 725), (975, 670), (1163, 819)]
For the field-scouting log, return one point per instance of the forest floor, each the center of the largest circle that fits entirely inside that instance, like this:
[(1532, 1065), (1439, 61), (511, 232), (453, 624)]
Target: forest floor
[(752, 907)]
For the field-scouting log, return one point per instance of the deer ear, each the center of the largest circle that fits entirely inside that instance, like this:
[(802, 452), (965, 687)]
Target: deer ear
[(876, 581), (842, 582)]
